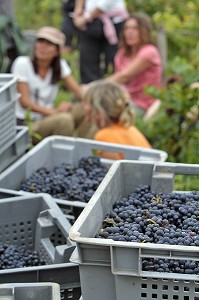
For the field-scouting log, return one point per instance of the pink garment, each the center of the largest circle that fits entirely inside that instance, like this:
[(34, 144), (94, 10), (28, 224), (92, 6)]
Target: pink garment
[(149, 77), (108, 27)]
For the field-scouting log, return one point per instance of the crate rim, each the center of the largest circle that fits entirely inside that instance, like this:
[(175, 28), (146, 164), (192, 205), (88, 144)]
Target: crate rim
[(13, 79), (163, 155)]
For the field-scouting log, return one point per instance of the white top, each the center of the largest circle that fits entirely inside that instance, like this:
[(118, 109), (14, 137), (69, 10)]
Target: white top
[(41, 90), (105, 6)]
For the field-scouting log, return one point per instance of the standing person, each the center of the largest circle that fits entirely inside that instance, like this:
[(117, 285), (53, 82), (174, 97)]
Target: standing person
[(99, 24), (138, 63), (67, 26), (108, 105), (39, 77)]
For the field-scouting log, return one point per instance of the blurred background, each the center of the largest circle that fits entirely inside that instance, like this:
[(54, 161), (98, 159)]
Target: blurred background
[(177, 33)]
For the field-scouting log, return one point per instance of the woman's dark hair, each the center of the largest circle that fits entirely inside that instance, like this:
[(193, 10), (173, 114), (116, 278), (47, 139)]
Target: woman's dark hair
[(55, 65), (145, 28)]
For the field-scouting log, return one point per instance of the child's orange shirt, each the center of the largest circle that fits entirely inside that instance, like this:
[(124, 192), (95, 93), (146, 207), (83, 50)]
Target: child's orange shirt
[(116, 133)]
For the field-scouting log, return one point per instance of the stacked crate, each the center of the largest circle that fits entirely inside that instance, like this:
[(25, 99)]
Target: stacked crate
[(32, 222), (14, 140)]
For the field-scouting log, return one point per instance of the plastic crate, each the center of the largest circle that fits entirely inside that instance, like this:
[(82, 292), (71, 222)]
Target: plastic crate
[(54, 150), (112, 269), (30, 291), (37, 223), (12, 152), (8, 97)]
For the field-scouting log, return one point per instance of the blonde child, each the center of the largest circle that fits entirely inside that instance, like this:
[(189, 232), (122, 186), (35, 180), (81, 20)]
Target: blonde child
[(108, 105)]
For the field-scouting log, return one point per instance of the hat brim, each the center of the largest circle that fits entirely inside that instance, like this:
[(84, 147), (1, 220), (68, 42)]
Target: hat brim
[(49, 38)]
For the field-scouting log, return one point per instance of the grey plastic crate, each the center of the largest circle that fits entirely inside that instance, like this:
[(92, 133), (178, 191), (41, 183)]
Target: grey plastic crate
[(37, 223), (5, 193), (10, 153), (54, 150), (30, 291), (8, 97), (112, 269), (8, 88)]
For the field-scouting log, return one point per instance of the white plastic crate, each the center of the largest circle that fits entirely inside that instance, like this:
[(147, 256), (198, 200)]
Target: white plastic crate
[(54, 150), (30, 291), (13, 151), (113, 269), (37, 223), (8, 97)]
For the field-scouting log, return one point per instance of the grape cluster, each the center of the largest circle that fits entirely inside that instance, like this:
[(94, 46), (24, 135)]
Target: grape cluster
[(67, 182), (18, 257), (149, 217)]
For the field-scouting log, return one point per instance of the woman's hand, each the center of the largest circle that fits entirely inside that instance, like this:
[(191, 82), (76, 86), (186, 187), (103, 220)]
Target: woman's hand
[(80, 22)]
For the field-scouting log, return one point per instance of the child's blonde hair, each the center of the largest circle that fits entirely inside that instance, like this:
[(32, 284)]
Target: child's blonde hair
[(111, 100)]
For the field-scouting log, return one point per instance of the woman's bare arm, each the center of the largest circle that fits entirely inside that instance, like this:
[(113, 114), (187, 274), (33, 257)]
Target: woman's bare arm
[(73, 86), (134, 68)]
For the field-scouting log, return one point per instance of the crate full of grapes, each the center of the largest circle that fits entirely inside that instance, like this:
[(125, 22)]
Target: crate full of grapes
[(34, 242), (139, 238), (69, 169), (30, 291)]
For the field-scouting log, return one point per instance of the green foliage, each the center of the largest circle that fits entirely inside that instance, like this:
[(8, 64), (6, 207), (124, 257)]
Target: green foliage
[(171, 129), (33, 14)]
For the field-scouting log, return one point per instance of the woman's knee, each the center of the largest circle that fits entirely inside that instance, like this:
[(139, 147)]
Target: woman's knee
[(63, 124), (59, 124)]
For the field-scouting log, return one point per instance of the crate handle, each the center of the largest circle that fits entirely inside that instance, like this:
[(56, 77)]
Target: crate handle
[(131, 262), (49, 223), (129, 152), (164, 174)]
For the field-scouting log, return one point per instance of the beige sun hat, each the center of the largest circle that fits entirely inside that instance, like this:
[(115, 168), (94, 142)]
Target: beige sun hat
[(52, 35)]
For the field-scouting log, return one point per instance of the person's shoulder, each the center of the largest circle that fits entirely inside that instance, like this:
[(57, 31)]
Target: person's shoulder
[(65, 68), (148, 48), (103, 134), (134, 131), (119, 56), (21, 62), (23, 59), (63, 61), (64, 64), (133, 128), (150, 52)]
